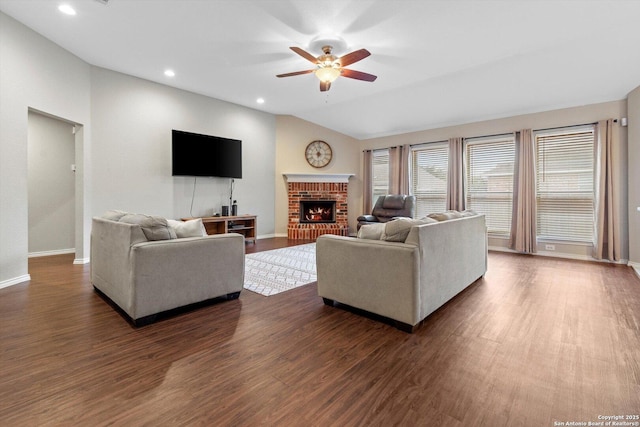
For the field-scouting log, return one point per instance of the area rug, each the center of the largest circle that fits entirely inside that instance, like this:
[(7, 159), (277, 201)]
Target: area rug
[(271, 272)]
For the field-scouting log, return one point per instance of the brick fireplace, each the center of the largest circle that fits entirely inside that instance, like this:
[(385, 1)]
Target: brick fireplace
[(317, 205)]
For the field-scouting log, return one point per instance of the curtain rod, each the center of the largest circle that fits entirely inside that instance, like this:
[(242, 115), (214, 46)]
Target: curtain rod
[(570, 126), (496, 134), (378, 149), (431, 142)]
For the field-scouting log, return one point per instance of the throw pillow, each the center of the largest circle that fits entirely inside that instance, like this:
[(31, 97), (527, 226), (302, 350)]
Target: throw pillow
[(371, 231), (153, 227), (191, 228), (444, 216), (398, 229)]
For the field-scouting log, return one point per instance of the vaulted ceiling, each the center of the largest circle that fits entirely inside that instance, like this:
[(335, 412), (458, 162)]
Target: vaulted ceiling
[(438, 62)]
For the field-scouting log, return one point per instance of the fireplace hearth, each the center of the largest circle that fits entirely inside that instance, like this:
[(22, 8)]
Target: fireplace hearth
[(317, 211)]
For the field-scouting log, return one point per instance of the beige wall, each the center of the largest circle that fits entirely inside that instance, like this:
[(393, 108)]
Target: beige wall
[(633, 102), (292, 137), (543, 120)]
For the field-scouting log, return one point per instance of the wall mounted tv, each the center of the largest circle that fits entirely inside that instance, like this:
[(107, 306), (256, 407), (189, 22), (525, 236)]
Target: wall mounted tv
[(194, 154)]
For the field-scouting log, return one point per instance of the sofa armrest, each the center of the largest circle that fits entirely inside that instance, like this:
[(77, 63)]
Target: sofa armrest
[(453, 255), (172, 273), (367, 218), (377, 276), (110, 261)]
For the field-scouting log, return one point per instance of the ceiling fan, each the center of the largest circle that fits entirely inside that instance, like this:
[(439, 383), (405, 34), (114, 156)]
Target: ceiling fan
[(329, 67)]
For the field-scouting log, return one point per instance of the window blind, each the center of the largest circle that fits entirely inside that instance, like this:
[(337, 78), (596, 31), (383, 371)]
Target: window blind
[(565, 184), (429, 177), (380, 173), (489, 180)]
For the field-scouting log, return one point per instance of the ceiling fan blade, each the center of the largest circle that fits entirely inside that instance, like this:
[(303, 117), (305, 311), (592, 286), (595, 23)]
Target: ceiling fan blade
[(306, 55), (354, 56), (295, 73), (325, 86), (358, 75)]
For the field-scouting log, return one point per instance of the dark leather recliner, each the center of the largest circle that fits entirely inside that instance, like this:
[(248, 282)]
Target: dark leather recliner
[(388, 207)]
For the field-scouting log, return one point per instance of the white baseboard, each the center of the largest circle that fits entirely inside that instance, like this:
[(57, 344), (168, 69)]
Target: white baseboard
[(502, 249), (15, 281), (268, 236), (563, 255), (79, 261), (54, 252), (635, 266)]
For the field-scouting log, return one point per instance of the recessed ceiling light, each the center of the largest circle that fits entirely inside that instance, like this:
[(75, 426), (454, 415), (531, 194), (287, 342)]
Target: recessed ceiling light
[(66, 9), (260, 100), (169, 73)]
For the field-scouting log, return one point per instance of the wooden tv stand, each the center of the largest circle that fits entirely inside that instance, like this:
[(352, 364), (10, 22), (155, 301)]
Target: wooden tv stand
[(243, 224)]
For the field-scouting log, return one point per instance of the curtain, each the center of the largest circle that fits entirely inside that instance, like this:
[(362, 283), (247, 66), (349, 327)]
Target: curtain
[(399, 169), (368, 181), (523, 218), (455, 176), (607, 230)]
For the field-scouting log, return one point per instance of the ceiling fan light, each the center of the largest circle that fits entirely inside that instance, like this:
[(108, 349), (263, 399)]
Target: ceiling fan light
[(328, 74)]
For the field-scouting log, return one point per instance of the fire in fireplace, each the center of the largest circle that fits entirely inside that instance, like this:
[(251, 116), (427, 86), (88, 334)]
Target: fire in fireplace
[(317, 211)]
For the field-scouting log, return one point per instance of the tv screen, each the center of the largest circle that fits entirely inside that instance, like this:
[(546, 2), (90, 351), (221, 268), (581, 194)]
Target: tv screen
[(194, 154)]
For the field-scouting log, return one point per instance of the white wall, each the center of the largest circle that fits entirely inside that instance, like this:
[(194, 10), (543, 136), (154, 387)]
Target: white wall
[(35, 73), (51, 152), (132, 121), (633, 101), (548, 119), (293, 136)]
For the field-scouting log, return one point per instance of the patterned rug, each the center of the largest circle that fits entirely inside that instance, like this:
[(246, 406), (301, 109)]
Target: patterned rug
[(279, 270)]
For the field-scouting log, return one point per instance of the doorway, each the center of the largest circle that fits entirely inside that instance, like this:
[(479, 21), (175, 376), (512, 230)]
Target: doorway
[(51, 153)]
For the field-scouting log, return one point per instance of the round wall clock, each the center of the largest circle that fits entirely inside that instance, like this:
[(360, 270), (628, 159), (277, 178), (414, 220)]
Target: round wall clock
[(318, 154)]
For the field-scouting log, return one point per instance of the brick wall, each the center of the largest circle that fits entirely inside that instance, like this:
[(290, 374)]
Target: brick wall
[(298, 191)]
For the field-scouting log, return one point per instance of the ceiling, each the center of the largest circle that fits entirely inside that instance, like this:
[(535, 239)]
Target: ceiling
[(438, 62)]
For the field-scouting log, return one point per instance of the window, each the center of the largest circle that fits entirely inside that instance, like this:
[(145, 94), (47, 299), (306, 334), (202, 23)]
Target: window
[(489, 180), (564, 184), (429, 164), (380, 174)]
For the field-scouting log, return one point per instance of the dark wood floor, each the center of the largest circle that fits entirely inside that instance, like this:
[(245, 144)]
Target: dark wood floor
[(537, 340)]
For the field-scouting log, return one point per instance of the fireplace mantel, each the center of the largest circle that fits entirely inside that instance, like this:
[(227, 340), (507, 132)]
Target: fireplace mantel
[(318, 177)]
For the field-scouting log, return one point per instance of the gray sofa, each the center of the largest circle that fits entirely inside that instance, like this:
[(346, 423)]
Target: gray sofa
[(404, 280), (141, 267)]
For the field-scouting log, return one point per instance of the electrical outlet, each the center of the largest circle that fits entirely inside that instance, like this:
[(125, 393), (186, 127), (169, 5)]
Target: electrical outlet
[(550, 247)]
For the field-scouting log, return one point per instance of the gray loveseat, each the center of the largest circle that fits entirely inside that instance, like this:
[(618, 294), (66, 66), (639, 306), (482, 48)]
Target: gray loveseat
[(406, 280), (142, 267)]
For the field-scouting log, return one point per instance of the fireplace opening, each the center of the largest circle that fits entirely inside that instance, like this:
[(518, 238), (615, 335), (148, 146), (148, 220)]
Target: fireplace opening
[(317, 211)]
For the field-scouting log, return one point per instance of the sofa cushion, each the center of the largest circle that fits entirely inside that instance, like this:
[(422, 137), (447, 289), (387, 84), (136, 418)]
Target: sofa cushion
[(113, 215), (398, 229), (191, 228), (153, 227), (371, 231), (468, 212), (444, 216)]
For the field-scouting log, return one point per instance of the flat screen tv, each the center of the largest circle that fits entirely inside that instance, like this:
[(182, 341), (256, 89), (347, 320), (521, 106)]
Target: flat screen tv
[(194, 154)]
